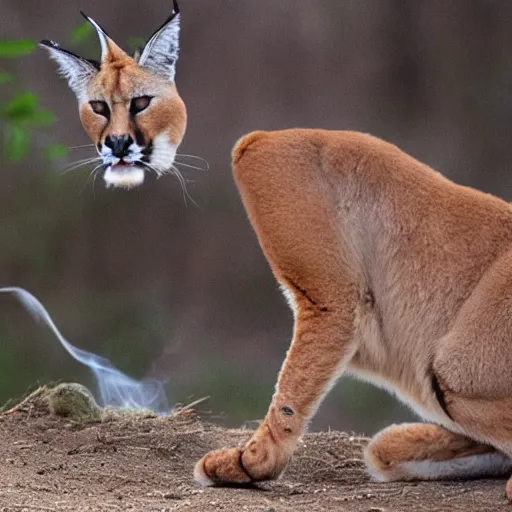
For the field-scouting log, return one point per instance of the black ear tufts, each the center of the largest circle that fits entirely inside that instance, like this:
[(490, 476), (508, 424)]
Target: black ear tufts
[(49, 44), (93, 23), (46, 43), (176, 7)]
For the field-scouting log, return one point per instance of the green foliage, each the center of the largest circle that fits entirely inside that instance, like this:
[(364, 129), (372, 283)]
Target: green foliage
[(6, 78), (24, 110), (135, 43), (81, 34), (21, 114), (21, 107), (16, 142), (15, 49), (56, 151)]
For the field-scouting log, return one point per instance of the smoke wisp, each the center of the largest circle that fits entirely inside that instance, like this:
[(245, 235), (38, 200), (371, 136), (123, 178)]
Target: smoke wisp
[(116, 389)]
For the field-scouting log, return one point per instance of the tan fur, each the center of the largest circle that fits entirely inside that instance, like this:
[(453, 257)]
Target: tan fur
[(129, 106), (398, 276), (412, 442), (121, 79)]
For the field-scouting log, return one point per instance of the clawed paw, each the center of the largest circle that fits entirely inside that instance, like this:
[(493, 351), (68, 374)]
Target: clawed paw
[(221, 467), (260, 459)]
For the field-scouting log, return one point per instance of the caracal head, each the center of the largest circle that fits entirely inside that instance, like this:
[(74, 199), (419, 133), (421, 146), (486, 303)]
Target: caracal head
[(129, 106)]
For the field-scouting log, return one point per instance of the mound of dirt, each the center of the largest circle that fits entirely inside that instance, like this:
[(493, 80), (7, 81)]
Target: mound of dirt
[(142, 463)]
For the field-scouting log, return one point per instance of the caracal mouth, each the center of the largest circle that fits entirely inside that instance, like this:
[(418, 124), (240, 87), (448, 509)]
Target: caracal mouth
[(124, 175)]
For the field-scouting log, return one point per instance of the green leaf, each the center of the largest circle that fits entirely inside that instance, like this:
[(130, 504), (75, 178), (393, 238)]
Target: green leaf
[(6, 78), (82, 33), (56, 151), (136, 43), (42, 117), (22, 107), (12, 49), (16, 143)]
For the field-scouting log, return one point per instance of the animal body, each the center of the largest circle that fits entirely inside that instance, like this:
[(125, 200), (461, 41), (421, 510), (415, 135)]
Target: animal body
[(395, 275), (129, 106)]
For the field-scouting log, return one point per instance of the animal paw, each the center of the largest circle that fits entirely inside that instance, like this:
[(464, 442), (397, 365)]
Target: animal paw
[(260, 459)]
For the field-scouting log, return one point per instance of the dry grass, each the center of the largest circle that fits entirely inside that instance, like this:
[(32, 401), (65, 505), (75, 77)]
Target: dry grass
[(133, 460)]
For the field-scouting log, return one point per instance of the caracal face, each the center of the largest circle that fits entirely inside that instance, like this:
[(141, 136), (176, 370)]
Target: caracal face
[(129, 106)]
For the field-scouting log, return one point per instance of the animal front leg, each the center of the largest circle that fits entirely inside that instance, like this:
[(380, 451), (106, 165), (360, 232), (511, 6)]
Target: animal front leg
[(321, 347), (294, 213)]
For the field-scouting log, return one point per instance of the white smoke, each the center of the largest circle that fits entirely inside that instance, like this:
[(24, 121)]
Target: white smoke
[(115, 388)]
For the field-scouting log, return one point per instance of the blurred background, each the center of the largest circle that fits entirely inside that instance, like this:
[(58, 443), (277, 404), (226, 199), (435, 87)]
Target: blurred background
[(171, 290)]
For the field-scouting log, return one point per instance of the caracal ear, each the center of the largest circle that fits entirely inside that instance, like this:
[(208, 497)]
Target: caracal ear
[(161, 51), (77, 70), (110, 51)]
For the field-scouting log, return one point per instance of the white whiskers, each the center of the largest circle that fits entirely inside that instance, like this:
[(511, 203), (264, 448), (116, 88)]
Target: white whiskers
[(174, 171), (82, 146), (207, 168), (81, 163), (164, 160), (183, 183), (190, 166), (94, 175)]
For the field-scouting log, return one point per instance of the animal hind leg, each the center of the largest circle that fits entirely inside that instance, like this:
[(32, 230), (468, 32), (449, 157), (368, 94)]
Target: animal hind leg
[(421, 451), (473, 362)]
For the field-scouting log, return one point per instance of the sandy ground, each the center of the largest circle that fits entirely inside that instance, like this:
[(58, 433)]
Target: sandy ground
[(49, 463)]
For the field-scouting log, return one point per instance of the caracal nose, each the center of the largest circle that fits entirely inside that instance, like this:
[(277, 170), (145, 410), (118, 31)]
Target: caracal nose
[(119, 144)]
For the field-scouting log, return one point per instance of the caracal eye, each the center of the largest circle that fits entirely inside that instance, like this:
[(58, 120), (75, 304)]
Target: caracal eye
[(139, 104), (100, 108)]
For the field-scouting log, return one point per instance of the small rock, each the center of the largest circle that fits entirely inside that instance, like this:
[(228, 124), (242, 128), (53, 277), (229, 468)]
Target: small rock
[(73, 401)]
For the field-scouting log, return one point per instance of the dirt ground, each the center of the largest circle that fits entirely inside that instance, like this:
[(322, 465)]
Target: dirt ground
[(49, 463)]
